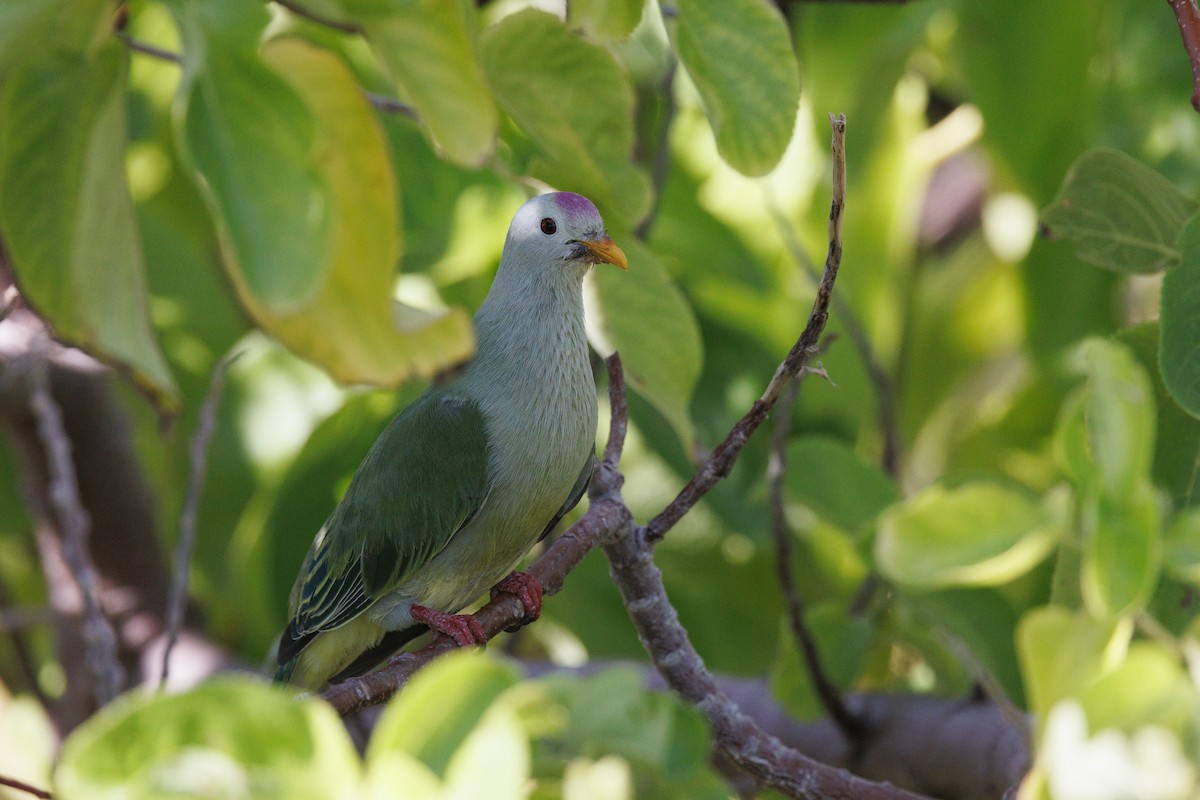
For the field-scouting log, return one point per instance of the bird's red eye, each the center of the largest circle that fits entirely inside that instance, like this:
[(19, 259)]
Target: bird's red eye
[(548, 226)]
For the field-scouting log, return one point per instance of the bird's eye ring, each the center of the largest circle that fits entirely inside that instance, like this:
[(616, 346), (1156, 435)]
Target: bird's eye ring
[(548, 226)]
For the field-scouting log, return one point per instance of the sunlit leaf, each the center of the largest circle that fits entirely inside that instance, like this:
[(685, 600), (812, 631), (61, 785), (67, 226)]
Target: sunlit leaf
[(1150, 687), (1062, 651), (739, 54), (66, 213), (642, 314), (350, 327), (440, 708), (493, 760), (1181, 555), (252, 140), (233, 737), (584, 138), (1180, 323), (1121, 551), (979, 534), (1119, 213), (429, 48)]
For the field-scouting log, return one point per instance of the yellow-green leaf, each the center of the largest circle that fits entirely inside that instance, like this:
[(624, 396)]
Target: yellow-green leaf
[(574, 102), (610, 20), (739, 54), (65, 211), (1179, 352), (429, 48), (1121, 551), (351, 326)]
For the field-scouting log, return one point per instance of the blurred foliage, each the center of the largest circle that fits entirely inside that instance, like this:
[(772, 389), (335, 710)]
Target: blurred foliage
[(1039, 537)]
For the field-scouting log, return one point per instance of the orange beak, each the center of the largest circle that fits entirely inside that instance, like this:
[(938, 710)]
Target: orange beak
[(606, 250)]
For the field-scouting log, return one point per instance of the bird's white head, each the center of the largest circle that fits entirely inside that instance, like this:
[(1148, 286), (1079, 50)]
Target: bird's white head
[(561, 232)]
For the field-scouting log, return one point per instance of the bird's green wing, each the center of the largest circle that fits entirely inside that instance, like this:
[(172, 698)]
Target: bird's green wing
[(422, 481)]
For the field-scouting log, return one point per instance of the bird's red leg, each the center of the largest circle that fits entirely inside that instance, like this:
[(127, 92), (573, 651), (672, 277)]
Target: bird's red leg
[(525, 588), (462, 628)]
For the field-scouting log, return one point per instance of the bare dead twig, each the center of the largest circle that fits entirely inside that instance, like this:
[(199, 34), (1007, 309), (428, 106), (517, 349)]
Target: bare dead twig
[(605, 514), (722, 459), (831, 699), (73, 521), (198, 460), (21, 786), (1187, 16)]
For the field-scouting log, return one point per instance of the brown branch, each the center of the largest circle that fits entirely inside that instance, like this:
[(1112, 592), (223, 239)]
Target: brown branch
[(738, 738), (73, 521), (138, 46), (1187, 16), (21, 786), (605, 514), (389, 105), (850, 725), (198, 460), (722, 459)]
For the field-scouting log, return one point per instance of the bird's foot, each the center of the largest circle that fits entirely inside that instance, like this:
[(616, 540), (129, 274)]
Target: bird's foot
[(462, 628), (525, 588)]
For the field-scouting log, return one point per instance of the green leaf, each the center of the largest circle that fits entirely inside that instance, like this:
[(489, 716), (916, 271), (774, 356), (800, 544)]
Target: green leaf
[(493, 761), (429, 48), (1177, 444), (642, 314), (1118, 412), (739, 54), (350, 326), (828, 477), (1119, 213), (609, 20), (26, 26), (1181, 554), (1121, 551), (66, 214), (1062, 651), (584, 137), (1149, 687), (842, 643), (1179, 353), (252, 140), (980, 534), (440, 708), (230, 737), (353, 11)]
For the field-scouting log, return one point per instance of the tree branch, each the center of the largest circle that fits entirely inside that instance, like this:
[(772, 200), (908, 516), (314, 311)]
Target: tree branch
[(1187, 16), (722, 459), (198, 458), (73, 521), (312, 16), (850, 725), (21, 786)]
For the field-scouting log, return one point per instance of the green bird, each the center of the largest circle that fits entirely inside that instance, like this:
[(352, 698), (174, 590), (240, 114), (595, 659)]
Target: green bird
[(467, 478)]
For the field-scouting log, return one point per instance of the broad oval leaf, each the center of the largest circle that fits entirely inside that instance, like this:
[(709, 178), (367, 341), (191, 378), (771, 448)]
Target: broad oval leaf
[(828, 477), (584, 139), (739, 54), (65, 211), (429, 49), (645, 316), (350, 326), (1119, 213), (1118, 411), (230, 737), (1179, 353), (251, 139), (980, 534), (1121, 551)]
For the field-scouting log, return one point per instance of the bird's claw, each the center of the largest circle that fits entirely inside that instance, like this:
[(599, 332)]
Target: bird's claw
[(525, 588), (462, 628)]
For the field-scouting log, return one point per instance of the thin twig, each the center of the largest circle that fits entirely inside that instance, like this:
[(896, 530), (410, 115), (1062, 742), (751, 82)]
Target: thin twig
[(828, 694), (1187, 16), (14, 621), (722, 459), (73, 523), (21, 786), (605, 514), (198, 459), (881, 380), (138, 46), (312, 16), (662, 152), (390, 105)]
